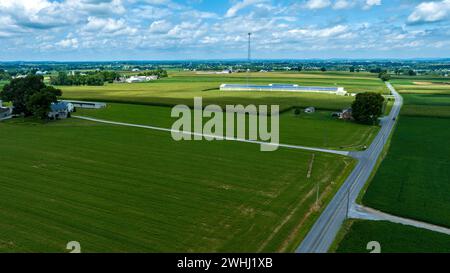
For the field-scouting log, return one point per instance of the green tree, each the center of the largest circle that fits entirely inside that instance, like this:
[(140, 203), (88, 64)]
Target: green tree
[(30, 95), (18, 91), (367, 108), (39, 103), (323, 69), (412, 73), (384, 76)]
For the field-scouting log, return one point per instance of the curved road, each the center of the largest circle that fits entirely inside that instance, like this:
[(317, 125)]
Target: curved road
[(324, 231)]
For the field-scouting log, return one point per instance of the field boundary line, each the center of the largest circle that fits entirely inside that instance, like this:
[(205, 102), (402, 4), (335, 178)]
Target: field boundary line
[(367, 213), (295, 147)]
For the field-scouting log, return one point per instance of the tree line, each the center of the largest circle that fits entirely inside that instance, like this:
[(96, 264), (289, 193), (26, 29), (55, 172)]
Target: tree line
[(93, 78), (161, 73)]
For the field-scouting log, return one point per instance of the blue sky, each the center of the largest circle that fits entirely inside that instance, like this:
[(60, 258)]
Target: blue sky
[(89, 30)]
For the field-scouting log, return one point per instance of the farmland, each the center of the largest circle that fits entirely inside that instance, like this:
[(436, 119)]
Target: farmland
[(393, 238), (182, 87), (315, 130), (123, 189), (117, 189), (412, 180)]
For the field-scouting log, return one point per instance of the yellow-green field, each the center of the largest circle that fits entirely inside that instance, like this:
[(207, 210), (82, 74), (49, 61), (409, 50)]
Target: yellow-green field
[(182, 87)]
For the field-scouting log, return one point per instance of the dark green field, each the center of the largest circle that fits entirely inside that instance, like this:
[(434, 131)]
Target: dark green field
[(314, 130), (394, 238), (121, 189), (413, 180)]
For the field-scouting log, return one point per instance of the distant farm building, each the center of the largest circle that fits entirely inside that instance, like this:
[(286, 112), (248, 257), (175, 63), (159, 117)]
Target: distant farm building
[(86, 104), (214, 72), (284, 88), (60, 110), (5, 112), (138, 79), (310, 110)]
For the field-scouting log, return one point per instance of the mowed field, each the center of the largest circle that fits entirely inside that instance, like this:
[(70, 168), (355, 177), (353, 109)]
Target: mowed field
[(182, 87), (120, 189), (393, 238), (313, 130)]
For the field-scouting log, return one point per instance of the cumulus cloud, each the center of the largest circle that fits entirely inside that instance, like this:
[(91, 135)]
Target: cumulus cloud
[(108, 26), (68, 43), (317, 4), (241, 5), (160, 26), (429, 12), (370, 3)]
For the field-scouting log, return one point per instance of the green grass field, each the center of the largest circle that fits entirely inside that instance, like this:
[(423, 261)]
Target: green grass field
[(121, 189), (314, 130), (413, 179), (182, 87), (393, 238)]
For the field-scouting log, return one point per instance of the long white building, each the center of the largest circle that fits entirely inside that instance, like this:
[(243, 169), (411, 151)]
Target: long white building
[(340, 91)]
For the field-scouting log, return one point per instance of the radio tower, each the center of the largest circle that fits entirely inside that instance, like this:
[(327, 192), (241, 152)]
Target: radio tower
[(249, 57)]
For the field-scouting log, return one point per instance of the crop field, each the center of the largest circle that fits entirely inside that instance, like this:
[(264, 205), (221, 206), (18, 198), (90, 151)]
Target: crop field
[(314, 130), (422, 85), (393, 238), (413, 179), (420, 149), (182, 87), (121, 189)]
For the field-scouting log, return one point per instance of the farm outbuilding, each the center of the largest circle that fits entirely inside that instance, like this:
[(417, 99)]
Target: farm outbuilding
[(86, 104), (60, 110), (284, 88), (310, 110)]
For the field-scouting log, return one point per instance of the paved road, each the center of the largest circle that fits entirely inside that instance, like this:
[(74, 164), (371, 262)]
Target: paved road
[(324, 231), (344, 153)]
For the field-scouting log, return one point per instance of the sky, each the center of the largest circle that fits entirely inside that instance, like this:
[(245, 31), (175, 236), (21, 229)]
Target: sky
[(108, 30)]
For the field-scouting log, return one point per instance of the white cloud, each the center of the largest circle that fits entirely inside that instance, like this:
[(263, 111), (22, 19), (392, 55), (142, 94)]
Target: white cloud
[(430, 12), (319, 33), (108, 26), (317, 4), (370, 3), (68, 43), (241, 5), (343, 4), (160, 26)]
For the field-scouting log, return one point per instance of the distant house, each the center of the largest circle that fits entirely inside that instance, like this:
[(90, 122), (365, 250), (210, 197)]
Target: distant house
[(336, 115), (310, 110), (347, 114), (60, 110), (5, 112)]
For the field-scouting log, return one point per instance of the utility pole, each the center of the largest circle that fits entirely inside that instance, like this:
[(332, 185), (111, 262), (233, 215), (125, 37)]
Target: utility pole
[(249, 57)]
